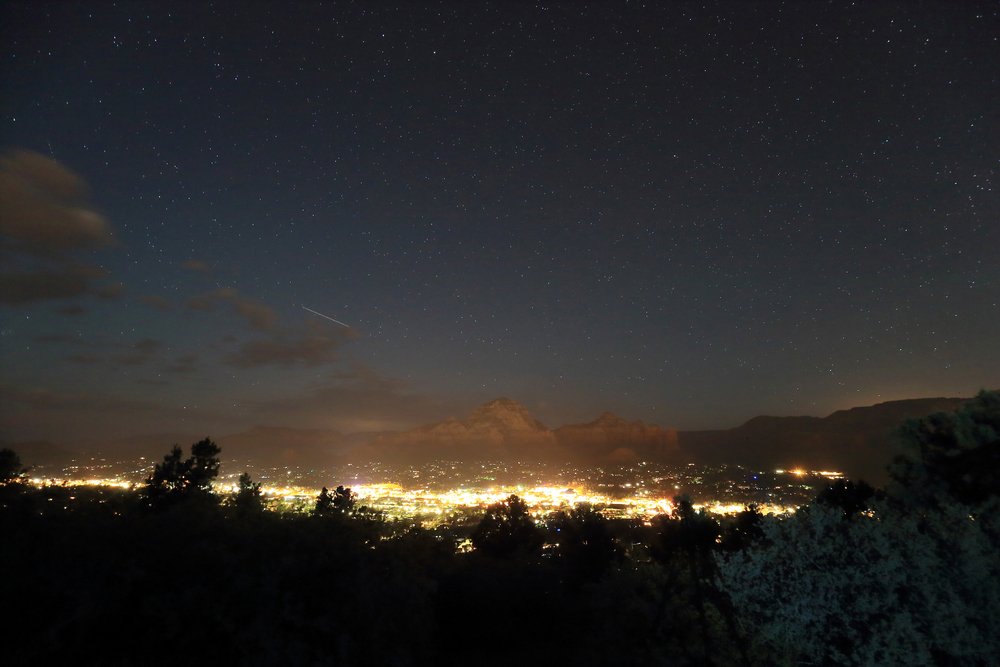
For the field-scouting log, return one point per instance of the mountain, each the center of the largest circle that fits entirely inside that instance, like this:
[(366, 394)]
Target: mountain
[(40, 453), (859, 441), (609, 438), (505, 429), (153, 446), (500, 429)]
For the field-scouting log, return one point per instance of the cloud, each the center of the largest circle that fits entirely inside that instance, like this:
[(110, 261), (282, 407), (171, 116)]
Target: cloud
[(44, 206), (71, 309), (46, 217), (186, 363), (196, 265), (357, 400), (152, 383), (109, 291), (311, 348), (258, 315), (23, 287), (40, 412), (147, 346), (140, 352), (158, 302), (83, 359), (53, 401), (56, 338)]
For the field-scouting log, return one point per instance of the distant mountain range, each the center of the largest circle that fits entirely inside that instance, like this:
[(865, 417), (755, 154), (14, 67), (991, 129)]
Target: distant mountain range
[(858, 441), (505, 429)]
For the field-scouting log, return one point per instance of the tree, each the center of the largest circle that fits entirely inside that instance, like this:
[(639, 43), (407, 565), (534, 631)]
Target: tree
[(586, 544), (10, 466), (324, 503), (692, 536), (743, 530), (851, 497), (507, 530), (167, 480), (176, 479), (689, 533), (953, 454), (896, 587), (203, 466), (341, 502), (344, 500), (248, 499)]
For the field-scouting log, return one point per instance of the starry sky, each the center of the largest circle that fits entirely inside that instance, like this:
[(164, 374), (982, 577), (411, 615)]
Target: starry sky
[(687, 214)]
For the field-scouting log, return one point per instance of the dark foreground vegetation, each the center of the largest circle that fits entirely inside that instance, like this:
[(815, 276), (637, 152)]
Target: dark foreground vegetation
[(174, 574)]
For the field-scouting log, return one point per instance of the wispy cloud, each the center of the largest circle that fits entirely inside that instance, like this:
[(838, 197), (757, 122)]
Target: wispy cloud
[(140, 352), (185, 363), (46, 218), (74, 415), (23, 287), (45, 208), (312, 347), (358, 399), (156, 301), (71, 309), (196, 265), (257, 314)]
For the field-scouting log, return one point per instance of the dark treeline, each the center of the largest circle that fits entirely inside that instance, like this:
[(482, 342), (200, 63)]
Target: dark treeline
[(177, 574)]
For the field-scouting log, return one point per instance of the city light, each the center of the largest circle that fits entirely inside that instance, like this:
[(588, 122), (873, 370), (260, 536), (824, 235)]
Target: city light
[(433, 507)]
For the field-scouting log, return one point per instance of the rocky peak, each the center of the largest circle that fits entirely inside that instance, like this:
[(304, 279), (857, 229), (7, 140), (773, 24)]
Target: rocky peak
[(507, 414), (609, 420)]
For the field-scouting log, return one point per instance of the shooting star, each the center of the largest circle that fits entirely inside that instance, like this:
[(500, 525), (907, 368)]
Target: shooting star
[(327, 317)]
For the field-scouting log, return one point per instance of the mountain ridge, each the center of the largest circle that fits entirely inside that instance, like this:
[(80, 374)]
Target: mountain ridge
[(857, 440)]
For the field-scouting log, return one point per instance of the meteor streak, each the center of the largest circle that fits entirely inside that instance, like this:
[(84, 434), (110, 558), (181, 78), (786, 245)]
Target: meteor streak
[(327, 317)]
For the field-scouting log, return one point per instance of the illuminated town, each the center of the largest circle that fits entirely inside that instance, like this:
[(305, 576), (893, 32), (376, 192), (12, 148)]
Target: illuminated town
[(444, 492)]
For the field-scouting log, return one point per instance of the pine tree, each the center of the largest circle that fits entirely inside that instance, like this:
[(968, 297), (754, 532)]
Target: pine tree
[(324, 503), (248, 499)]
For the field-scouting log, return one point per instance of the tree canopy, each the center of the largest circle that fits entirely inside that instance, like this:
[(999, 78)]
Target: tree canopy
[(176, 478), (507, 529), (341, 501), (248, 498), (10, 466), (953, 454), (893, 588)]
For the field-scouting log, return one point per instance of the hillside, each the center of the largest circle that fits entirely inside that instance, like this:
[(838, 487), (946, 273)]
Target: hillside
[(858, 441)]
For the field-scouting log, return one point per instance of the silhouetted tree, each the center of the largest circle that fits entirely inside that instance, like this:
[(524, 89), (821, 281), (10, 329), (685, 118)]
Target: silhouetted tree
[(203, 466), (248, 499), (851, 497), (507, 529), (585, 542), (344, 500), (324, 503), (10, 466), (743, 530), (174, 478), (167, 480), (693, 537), (692, 533), (955, 454)]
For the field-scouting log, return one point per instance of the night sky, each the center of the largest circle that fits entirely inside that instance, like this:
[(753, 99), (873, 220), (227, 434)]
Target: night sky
[(688, 215)]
